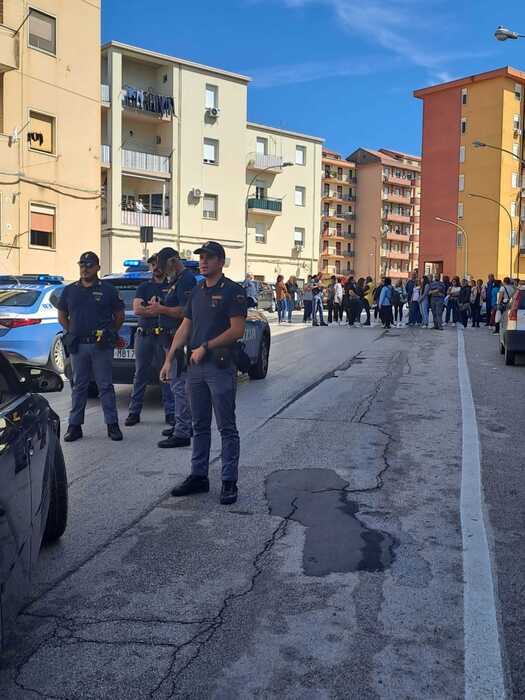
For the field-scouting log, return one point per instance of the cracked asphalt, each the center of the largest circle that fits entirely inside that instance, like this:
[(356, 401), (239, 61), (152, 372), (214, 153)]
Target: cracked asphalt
[(350, 453)]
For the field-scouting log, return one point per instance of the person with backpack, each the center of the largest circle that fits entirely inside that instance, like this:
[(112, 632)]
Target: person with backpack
[(385, 303)]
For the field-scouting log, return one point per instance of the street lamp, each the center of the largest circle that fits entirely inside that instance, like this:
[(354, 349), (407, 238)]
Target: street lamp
[(495, 201), (481, 144), (503, 33), (458, 226), (286, 164)]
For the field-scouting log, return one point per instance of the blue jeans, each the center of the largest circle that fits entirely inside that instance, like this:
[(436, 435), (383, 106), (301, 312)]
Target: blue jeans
[(149, 356), (212, 388), (281, 310), (87, 363), (423, 306), (317, 308), (289, 308)]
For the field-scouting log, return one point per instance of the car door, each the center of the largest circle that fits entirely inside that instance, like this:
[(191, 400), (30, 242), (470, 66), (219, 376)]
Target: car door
[(15, 497)]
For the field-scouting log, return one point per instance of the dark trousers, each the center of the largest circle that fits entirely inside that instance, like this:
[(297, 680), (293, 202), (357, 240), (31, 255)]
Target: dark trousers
[(353, 310), (398, 312), (149, 352), (307, 311), (87, 363), (386, 315), (452, 311), (476, 314), (436, 304), (335, 311), (211, 388), (489, 311), (464, 315), (366, 307)]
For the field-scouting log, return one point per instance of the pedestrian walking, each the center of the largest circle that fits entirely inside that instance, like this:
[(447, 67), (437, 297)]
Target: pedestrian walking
[(385, 302), (252, 290), (171, 314), (487, 297), (424, 300), (214, 320), (282, 295), (476, 296), (317, 302), (398, 302), (437, 300), (464, 302), (148, 345), (91, 313), (307, 300)]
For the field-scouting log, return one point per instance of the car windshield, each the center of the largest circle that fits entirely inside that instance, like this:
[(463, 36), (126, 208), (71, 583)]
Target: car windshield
[(18, 297), (127, 291)]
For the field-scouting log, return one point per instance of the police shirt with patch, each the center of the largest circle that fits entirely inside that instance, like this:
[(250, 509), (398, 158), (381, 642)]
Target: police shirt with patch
[(90, 308), (178, 294), (146, 292), (210, 309)]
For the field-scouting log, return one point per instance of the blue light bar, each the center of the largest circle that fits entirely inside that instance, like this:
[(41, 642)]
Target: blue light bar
[(133, 263)]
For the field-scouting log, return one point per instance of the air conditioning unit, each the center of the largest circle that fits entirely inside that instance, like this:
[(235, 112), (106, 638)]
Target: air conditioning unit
[(196, 193), (212, 112)]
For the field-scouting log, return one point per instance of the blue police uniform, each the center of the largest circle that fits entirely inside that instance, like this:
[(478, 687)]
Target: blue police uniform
[(149, 350), (211, 383), (91, 309), (178, 294)]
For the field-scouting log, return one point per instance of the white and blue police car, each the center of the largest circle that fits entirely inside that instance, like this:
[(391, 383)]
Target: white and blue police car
[(29, 327)]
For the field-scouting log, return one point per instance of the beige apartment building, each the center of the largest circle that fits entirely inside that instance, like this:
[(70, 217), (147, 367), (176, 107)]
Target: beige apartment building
[(49, 135), (388, 213), (178, 155), (338, 214)]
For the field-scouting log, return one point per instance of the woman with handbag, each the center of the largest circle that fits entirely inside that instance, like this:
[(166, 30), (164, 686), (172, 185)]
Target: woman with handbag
[(504, 294)]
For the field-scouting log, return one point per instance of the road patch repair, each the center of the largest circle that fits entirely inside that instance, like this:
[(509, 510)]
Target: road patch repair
[(336, 540)]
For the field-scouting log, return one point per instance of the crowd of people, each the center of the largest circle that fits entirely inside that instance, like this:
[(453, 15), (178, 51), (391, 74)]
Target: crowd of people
[(427, 301)]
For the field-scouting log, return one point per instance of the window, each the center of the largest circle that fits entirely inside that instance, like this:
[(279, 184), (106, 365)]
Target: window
[(461, 183), (42, 31), (262, 146), (515, 180), (516, 121), (300, 155), (209, 206), (260, 233), (211, 151), (300, 196), (41, 134), (513, 209), (212, 96), (463, 126), (517, 91), (460, 210), (516, 150), (42, 226), (464, 94), (298, 236), (462, 154)]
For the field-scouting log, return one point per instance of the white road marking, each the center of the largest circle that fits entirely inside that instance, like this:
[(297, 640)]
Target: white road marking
[(484, 677)]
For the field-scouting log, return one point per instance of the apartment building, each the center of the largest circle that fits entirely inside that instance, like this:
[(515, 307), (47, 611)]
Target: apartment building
[(49, 135), (179, 156), (387, 213), (338, 230), (486, 108)]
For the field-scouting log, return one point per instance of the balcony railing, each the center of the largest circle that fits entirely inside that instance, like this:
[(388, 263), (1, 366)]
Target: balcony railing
[(138, 218), (105, 155), (399, 218), (269, 204), (148, 103), (264, 161), (145, 162), (105, 94), (333, 232)]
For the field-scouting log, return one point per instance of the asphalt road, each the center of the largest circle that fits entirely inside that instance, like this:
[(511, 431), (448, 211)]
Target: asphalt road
[(340, 571)]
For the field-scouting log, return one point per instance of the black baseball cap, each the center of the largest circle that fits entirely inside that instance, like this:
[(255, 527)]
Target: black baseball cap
[(212, 248), (89, 257), (166, 254)]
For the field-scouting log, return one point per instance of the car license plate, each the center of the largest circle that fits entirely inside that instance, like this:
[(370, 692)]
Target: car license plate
[(123, 354)]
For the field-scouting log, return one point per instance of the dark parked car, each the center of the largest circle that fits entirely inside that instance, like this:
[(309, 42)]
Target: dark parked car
[(33, 480)]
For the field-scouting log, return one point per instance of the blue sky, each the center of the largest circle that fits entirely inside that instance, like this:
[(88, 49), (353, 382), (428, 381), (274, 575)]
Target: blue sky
[(341, 69)]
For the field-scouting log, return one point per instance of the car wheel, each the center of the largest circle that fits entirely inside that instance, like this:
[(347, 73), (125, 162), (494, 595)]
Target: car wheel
[(260, 369), (57, 515), (92, 391), (501, 348), (509, 357), (57, 356)]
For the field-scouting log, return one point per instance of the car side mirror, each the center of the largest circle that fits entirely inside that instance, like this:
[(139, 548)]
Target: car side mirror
[(38, 380)]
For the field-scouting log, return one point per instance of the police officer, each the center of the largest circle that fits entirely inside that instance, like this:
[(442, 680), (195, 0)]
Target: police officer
[(91, 312), (214, 320), (149, 348), (171, 314)]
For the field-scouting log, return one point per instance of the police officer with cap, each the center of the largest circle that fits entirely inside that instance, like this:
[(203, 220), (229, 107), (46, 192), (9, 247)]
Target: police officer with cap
[(171, 315), (91, 312), (149, 346), (214, 320)]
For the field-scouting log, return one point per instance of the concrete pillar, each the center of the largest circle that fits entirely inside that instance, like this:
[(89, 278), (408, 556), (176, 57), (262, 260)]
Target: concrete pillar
[(115, 131)]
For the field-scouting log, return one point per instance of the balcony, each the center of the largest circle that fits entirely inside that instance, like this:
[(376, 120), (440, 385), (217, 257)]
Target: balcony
[(396, 218), (147, 105), (338, 216), (416, 201), (334, 233), (397, 274), (143, 162), (335, 197), (8, 50), (393, 236), (263, 161), (269, 206), (105, 95), (105, 156), (333, 253), (138, 219), (394, 254), (397, 198), (402, 181)]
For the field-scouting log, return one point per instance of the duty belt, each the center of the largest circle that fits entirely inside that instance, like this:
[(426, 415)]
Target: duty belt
[(86, 339), (150, 331)]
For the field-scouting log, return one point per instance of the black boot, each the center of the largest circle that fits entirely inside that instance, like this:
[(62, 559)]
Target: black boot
[(114, 432), (192, 484), (175, 441), (167, 432), (74, 432), (170, 419), (132, 419), (228, 492)]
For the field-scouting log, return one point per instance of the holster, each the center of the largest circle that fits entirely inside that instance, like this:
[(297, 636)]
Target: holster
[(70, 343), (222, 358), (106, 339)]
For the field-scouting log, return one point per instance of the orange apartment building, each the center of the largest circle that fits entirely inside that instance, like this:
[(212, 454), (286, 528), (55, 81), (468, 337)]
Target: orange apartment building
[(338, 198), (387, 213)]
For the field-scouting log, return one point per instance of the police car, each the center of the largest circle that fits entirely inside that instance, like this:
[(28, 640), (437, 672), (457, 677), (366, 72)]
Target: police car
[(29, 327), (256, 337)]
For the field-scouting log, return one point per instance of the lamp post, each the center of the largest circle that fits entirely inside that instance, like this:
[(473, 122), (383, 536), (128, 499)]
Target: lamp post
[(286, 164), (458, 226), (495, 201), (503, 33), (481, 144)]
